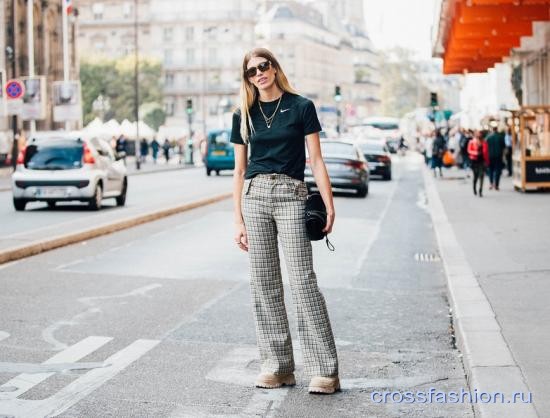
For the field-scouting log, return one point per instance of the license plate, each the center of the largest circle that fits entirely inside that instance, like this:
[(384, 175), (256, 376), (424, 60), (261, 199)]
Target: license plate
[(219, 152), (51, 191)]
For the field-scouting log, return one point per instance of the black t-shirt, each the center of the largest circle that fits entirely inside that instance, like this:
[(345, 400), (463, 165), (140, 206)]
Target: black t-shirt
[(281, 148)]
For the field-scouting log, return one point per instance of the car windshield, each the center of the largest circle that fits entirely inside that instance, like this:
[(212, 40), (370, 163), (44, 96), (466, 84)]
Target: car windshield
[(221, 138), (338, 148), (54, 155), (384, 125), (371, 147)]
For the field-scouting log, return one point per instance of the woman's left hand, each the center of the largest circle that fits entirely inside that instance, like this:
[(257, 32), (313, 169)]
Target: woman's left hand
[(330, 222)]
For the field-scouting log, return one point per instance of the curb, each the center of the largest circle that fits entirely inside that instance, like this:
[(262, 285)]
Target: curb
[(489, 364), (37, 247)]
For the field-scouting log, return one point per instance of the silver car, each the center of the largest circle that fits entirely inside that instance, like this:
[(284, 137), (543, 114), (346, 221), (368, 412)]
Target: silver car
[(64, 166)]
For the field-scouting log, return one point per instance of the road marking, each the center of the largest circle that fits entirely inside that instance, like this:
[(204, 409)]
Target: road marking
[(79, 388), (26, 381), (48, 334), (375, 232), (11, 263), (4, 335)]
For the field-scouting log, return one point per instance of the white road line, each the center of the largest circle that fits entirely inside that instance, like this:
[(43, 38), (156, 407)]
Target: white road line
[(86, 384), (26, 381), (4, 335), (376, 231), (11, 263)]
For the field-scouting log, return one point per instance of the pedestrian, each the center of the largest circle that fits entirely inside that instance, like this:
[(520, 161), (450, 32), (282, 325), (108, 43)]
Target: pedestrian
[(463, 145), (439, 148), (155, 149), (496, 145), (428, 148), (143, 149), (269, 201), (121, 147), (166, 150), (478, 154), (508, 152)]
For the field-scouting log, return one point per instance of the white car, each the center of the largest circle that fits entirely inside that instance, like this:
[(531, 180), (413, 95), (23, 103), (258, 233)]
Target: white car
[(64, 166)]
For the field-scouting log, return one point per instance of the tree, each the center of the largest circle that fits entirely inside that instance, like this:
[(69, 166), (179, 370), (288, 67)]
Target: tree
[(114, 79), (401, 88)]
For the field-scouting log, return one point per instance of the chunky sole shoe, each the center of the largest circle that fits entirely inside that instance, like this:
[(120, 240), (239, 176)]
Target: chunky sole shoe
[(326, 385), (272, 381)]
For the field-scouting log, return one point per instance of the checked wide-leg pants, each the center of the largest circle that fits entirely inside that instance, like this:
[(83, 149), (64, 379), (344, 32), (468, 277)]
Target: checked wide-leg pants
[(273, 208)]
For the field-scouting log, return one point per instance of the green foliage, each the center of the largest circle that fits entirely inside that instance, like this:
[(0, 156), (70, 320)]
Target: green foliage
[(114, 79), (152, 114), (401, 88)]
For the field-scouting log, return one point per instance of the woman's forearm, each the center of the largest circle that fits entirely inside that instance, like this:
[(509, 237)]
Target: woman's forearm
[(323, 183), (238, 182)]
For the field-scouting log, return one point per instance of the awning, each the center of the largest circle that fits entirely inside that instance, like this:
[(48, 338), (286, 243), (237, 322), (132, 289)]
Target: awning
[(474, 35)]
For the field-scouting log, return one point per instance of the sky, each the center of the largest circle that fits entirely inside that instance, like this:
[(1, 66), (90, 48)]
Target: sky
[(405, 23)]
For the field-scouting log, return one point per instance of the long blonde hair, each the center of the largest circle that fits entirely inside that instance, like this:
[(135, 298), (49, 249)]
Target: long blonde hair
[(249, 92)]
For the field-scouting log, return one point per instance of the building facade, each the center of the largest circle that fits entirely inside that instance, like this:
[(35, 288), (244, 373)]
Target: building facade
[(201, 46), (48, 49)]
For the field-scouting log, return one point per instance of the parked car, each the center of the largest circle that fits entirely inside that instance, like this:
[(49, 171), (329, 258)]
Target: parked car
[(63, 166), (378, 157), (388, 128), (219, 153), (347, 167)]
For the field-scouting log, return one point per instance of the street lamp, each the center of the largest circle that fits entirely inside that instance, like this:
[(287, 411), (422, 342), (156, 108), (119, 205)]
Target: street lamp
[(136, 82)]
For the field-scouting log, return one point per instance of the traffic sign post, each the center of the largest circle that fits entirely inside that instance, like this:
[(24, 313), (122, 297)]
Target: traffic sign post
[(15, 90)]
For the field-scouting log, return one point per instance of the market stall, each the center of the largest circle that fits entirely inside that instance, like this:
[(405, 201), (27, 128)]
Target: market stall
[(531, 148)]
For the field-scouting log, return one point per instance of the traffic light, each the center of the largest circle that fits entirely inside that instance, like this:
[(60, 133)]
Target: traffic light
[(433, 99), (189, 106), (337, 93)]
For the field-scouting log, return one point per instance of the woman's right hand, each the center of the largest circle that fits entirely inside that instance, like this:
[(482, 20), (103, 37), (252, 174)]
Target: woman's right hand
[(241, 238)]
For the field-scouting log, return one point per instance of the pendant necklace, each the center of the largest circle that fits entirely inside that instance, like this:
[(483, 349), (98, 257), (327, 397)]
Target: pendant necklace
[(269, 120)]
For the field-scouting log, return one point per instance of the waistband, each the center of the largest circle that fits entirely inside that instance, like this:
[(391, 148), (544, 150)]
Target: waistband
[(275, 177)]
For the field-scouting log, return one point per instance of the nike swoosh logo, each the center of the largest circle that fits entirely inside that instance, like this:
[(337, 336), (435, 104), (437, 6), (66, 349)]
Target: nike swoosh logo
[(284, 110)]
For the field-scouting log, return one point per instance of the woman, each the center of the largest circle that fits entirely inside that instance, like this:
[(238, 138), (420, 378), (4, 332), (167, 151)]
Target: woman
[(269, 200), (478, 153)]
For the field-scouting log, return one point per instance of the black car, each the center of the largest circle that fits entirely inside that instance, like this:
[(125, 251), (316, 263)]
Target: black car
[(347, 167), (378, 157)]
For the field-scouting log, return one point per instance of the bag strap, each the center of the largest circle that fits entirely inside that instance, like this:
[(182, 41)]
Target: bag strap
[(329, 244)]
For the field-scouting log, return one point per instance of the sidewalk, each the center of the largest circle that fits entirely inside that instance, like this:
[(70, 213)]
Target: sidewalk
[(504, 237), (147, 168)]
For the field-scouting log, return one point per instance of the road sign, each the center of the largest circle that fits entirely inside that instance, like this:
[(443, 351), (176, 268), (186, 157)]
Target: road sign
[(15, 89)]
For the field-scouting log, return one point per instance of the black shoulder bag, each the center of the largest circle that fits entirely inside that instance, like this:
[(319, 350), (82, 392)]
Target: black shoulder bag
[(316, 219)]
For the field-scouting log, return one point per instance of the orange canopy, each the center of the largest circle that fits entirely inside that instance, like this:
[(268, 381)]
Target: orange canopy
[(476, 34)]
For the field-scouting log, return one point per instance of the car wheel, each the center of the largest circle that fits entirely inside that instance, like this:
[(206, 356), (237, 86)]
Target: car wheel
[(217, 172), (363, 191), (51, 204), (19, 204), (387, 176), (208, 171), (121, 200), (95, 202)]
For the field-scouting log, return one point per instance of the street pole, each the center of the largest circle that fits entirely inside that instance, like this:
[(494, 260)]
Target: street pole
[(30, 48), (136, 83), (13, 55), (65, 23)]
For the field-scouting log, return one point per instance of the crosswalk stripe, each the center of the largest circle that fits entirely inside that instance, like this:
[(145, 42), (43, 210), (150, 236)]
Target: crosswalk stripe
[(26, 381)]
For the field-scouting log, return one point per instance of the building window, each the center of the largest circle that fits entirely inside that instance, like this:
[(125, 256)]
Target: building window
[(189, 33), (169, 80), (168, 56), (97, 10), (127, 9), (170, 108), (168, 34), (190, 56)]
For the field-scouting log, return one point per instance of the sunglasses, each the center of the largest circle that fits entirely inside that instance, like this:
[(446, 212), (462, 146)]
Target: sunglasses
[(262, 67)]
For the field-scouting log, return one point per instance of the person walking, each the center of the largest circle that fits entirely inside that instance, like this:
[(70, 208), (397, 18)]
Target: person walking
[(155, 149), (508, 152), (269, 196), (166, 149), (428, 148), (439, 148), (143, 149), (495, 143), (478, 154)]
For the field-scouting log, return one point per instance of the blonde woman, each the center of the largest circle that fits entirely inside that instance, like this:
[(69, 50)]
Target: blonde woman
[(269, 200)]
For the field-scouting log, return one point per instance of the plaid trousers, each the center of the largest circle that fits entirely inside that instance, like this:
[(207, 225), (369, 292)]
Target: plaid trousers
[(273, 208)]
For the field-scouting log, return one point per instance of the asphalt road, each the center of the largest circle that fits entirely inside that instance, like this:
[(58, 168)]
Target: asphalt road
[(145, 193), (155, 321)]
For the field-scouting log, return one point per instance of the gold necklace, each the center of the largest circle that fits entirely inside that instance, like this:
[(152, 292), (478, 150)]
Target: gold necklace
[(269, 120)]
